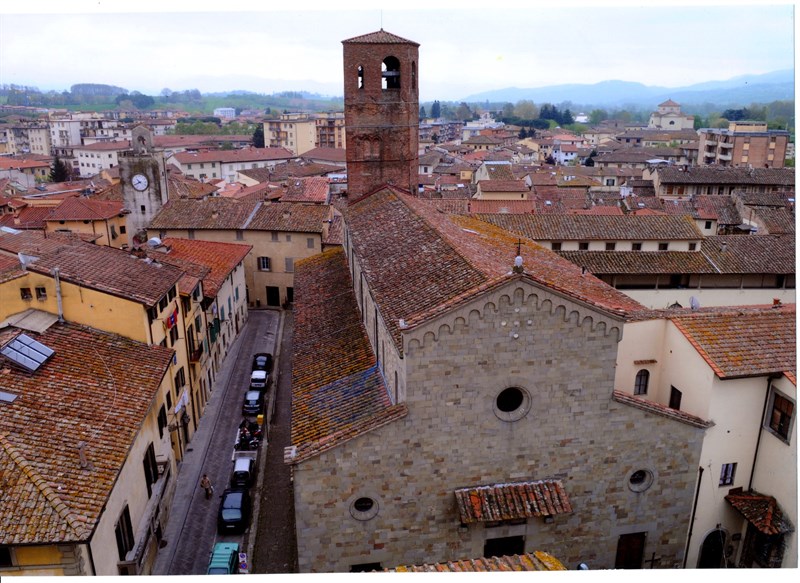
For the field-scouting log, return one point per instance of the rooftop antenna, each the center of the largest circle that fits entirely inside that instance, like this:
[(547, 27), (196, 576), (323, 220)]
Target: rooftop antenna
[(518, 259)]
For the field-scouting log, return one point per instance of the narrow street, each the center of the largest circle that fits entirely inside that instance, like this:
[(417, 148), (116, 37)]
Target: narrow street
[(191, 529)]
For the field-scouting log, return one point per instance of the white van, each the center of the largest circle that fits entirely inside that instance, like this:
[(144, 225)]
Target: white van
[(258, 380)]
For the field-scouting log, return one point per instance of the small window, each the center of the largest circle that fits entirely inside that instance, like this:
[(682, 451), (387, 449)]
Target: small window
[(41, 293), (636, 246), (583, 246), (264, 264), (274, 236), (781, 416), (726, 474), (512, 404), (364, 508), (143, 209), (289, 264), (556, 245), (640, 480), (239, 235), (675, 398), (692, 246), (190, 233), (25, 293), (124, 533), (150, 469), (642, 380), (663, 246), (288, 238), (162, 421), (611, 246), (310, 242), (708, 224), (5, 557)]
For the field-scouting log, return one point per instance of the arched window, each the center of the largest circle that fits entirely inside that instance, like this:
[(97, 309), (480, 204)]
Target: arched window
[(642, 378), (360, 77), (390, 73)]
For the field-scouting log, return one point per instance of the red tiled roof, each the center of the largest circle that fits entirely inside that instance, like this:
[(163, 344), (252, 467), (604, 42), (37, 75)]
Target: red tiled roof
[(17, 164), (109, 270), (209, 213), (329, 154), (28, 217), (35, 242), (761, 511), (535, 561), (380, 37), (220, 258), (502, 186), (661, 410), (84, 209), (94, 386), (335, 231), (337, 389), (510, 501), (234, 156), (313, 189), (295, 217), (742, 343)]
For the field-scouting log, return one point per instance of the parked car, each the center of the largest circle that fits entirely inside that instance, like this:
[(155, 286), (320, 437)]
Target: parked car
[(262, 361), (224, 559), (244, 469), (259, 380), (234, 511), (253, 403)]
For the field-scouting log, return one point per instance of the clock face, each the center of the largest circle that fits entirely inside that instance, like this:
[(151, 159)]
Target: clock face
[(139, 181)]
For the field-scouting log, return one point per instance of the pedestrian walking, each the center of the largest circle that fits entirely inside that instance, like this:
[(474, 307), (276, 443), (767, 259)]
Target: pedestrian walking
[(205, 484)]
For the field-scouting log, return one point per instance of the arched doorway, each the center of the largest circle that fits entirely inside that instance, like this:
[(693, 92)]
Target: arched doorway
[(712, 552)]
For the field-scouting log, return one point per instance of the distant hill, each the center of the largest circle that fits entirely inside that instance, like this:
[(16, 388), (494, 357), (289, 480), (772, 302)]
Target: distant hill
[(739, 91)]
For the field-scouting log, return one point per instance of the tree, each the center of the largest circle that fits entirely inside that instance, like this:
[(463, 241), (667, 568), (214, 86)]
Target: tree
[(526, 109), (258, 136), (60, 171), (598, 115), (436, 110), (523, 134), (463, 112), (422, 114), (508, 110)]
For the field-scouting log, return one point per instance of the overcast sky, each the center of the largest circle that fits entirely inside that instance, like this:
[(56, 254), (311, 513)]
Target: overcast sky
[(466, 47)]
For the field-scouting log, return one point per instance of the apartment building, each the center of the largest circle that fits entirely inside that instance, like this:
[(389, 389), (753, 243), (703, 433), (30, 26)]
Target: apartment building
[(296, 132), (225, 164), (747, 144), (330, 130)]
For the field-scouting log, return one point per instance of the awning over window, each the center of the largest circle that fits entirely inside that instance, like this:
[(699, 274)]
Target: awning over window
[(511, 501), (763, 512)]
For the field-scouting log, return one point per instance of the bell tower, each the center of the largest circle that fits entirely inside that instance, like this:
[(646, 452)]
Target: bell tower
[(381, 112)]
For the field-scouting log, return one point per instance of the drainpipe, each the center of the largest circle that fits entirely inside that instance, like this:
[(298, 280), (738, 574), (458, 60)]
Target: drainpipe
[(58, 296), (694, 512), (760, 431)]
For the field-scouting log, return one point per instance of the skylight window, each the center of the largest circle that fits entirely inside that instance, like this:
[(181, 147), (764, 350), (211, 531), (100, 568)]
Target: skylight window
[(27, 352)]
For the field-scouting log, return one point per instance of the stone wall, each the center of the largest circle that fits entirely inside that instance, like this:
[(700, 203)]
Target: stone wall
[(563, 357)]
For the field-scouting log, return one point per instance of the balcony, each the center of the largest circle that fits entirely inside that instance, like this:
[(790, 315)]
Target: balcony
[(724, 157), (726, 145), (196, 355), (709, 142)]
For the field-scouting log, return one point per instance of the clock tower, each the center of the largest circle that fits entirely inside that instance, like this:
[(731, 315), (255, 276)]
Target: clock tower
[(143, 175), (381, 112)]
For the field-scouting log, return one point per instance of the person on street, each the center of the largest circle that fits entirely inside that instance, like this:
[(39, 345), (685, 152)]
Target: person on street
[(205, 484)]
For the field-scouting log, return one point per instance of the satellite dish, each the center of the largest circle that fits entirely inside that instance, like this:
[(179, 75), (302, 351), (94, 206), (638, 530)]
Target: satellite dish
[(154, 242), (694, 302)]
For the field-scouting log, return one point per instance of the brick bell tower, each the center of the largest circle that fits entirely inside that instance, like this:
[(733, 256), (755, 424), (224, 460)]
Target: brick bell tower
[(381, 112)]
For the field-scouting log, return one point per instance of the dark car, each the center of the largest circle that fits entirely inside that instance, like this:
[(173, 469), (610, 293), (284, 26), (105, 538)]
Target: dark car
[(234, 511), (262, 361), (253, 403)]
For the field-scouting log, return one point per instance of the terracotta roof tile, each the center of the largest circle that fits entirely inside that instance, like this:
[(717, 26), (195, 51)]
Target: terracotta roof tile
[(234, 156), (761, 511), (661, 410), (209, 213), (535, 561), (381, 37), (27, 217), (741, 343), (220, 258), (502, 186), (570, 227), (337, 390), (80, 208), (726, 175), (95, 385), (511, 501), (109, 270), (293, 217), (314, 189), (329, 154)]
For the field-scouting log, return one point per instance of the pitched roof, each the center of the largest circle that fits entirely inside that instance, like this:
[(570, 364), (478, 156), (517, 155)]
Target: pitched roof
[(598, 228), (510, 501), (209, 213), (380, 37), (109, 270), (502, 186), (292, 217), (220, 258), (661, 410), (27, 217), (85, 209), (743, 342), (234, 156), (95, 385), (726, 175), (337, 389), (419, 261), (314, 189), (36, 242), (535, 561), (329, 154), (761, 511)]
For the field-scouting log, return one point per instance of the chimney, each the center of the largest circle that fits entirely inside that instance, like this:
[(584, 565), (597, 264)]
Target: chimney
[(724, 247), (776, 302)]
